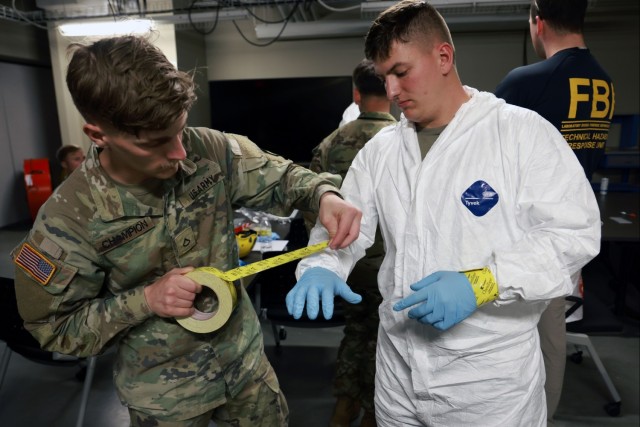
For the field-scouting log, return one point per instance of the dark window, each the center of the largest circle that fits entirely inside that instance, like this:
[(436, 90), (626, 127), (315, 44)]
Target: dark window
[(286, 116)]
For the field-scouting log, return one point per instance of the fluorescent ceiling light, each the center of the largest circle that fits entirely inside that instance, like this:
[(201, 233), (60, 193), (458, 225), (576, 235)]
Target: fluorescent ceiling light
[(106, 28)]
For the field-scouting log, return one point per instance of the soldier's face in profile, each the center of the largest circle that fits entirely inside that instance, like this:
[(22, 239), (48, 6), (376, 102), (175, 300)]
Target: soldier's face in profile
[(131, 159), (73, 160)]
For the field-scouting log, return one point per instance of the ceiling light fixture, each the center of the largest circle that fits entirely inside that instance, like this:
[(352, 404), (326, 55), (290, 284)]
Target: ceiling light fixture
[(106, 28)]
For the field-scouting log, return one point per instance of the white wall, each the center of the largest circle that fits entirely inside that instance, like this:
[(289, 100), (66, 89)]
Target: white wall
[(191, 50), (483, 58), (229, 57), (618, 50), (28, 129)]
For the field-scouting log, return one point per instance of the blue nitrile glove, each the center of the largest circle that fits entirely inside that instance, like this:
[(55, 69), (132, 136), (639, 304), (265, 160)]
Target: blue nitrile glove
[(318, 283), (447, 299)]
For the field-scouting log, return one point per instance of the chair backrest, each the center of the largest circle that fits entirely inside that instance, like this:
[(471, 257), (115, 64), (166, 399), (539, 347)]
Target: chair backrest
[(576, 303), (19, 340), (298, 236), (11, 328), (13, 332), (598, 318)]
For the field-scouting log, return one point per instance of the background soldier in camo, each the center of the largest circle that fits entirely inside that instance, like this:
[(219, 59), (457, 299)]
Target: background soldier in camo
[(105, 260), (356, 365)]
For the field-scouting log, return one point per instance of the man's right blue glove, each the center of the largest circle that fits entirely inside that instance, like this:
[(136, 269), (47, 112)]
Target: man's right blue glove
[(318, 283), (442, 299)]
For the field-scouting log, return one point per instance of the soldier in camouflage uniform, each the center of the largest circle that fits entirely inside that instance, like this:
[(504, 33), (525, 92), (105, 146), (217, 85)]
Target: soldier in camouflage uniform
[(105, 260), (355, 371)]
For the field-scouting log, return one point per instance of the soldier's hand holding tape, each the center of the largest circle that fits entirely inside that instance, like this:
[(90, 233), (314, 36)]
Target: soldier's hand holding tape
[(173, 294), (341, 219), (315, 284)]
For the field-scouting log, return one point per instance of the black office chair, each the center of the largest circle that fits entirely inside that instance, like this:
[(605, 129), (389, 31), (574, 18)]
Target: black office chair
[(20, 341), (597, 319), (271, 288)]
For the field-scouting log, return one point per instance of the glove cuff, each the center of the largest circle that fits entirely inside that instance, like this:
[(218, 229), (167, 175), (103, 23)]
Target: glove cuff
[(483, 284)]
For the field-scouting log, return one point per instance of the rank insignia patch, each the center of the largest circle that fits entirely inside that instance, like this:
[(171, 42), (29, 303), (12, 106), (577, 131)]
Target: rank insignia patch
[(34, 263)]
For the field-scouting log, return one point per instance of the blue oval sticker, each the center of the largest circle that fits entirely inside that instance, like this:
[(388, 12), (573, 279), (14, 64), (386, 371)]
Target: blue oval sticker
[(479, 198)]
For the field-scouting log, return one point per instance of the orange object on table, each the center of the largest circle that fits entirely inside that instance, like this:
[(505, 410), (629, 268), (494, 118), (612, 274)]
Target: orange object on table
[(37, 179)]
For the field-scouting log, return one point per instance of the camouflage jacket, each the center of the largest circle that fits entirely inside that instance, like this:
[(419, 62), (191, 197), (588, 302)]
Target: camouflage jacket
[(81, 270), (336, 152)]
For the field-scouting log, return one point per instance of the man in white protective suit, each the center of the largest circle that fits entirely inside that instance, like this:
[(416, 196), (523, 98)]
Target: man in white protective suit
[(485, 214)]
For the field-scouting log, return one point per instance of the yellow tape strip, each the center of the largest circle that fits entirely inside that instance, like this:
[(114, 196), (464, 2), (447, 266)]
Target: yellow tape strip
[(265, 264), (484, 285), (221, 283)]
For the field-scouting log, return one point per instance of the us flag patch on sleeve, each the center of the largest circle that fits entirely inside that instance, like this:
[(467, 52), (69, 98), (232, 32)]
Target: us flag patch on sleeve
[(34, 263)]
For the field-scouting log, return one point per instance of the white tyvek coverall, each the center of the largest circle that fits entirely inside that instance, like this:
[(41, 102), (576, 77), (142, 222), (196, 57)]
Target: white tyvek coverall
[(487, 370)]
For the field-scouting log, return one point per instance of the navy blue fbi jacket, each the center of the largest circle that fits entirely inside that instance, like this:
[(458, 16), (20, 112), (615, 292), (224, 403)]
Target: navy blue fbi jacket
[(574, 93)]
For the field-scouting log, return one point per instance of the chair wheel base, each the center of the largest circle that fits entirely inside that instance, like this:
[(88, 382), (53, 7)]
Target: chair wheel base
[(613, 408), (282, 334), (81, 374), (576, 357)]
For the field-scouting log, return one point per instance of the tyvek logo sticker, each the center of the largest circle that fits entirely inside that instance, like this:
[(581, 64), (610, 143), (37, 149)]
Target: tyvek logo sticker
[(479, 198)]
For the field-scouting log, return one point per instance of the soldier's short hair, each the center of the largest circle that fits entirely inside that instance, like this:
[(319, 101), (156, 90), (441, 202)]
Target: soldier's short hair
[(562, 15), (405, 21), (127, 83), (65, 150), (366, 80)]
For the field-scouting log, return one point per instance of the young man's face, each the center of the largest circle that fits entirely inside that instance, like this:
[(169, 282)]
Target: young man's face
[(72, 161), (130, 159), (412, 74)]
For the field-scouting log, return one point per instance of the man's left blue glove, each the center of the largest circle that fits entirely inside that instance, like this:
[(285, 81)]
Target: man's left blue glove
[(447, 298), (314, 284)]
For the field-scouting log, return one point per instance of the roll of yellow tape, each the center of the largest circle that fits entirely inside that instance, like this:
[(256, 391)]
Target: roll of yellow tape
[(226, 300), (221, 283)]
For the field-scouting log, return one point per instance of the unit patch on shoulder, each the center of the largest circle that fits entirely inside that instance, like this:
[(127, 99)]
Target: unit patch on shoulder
[(36, 264)]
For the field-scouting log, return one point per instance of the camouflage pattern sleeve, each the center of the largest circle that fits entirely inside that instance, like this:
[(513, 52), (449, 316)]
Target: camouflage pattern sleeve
[(336, 152), (76, 328), (319, 154), (319, 165), (60, 284), (316, 163), (265, 181)]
